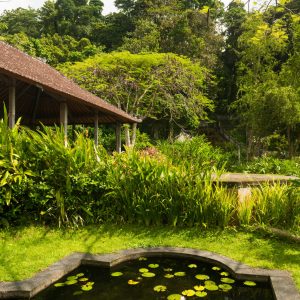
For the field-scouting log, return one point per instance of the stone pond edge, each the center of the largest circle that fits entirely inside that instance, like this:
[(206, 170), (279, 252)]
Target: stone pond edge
[(281, 281)]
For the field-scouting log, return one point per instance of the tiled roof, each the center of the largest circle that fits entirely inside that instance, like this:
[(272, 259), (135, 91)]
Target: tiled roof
[(19, 65)]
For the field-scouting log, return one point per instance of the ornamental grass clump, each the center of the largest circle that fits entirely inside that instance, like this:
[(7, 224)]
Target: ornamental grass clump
[(151, 190), (277, 205)]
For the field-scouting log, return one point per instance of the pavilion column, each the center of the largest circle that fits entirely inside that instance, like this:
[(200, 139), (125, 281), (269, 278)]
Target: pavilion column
[(96, 129), (12, 104), (64, 120), (118, 138)]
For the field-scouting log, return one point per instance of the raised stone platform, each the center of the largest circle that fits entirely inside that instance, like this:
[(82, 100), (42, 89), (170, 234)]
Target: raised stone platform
[(244, 179)]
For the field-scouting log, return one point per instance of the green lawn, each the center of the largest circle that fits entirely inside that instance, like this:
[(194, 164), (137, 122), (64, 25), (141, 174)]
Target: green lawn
[(26, 251)]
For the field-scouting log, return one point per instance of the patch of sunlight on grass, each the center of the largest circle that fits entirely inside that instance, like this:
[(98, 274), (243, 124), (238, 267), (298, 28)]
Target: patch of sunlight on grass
[(26, 251)]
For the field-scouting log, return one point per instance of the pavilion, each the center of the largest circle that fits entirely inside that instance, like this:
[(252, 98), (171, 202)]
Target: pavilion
[(36, 92)]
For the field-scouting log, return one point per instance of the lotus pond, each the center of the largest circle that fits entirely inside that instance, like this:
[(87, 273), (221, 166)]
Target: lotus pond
[(155, 278)]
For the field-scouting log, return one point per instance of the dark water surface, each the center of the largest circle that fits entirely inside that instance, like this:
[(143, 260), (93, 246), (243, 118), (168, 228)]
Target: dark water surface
[(107, 287)]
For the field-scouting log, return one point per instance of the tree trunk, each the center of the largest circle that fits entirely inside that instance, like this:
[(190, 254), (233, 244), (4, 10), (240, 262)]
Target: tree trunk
[(289, 142), (171, 132)]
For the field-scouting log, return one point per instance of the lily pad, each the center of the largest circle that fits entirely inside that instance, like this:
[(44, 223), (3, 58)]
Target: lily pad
[(77, 293), (211, 287), (87, 287), (202, 277), (224, 274), (249, 283), (192, 266), (201, 294), (179, 274), (116, 274), (79, 275), (216, 268), (142, 258), (169, 275), (143, 270), (227, 280), (90, 283), (225, 287), (160, 288), (188, 293), (72, 278), (71, 282), (209, 282), (168, 270), (148, 274), (132, 282), (83, 279), (199, 288), (174, 297), (59, 284), (153, 266)]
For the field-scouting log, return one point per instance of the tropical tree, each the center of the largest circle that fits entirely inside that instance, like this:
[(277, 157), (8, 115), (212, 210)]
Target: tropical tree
[(156, 86)]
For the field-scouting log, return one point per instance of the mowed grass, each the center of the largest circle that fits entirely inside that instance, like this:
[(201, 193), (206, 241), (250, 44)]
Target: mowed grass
[(26, 251)]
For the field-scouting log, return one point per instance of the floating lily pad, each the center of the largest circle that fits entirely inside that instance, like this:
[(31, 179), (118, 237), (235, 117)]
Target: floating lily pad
[(90, 283), (188, 293), (192, 266), (59, 284), (132, 282), (148, 274), (143, 270), (169, 275), (160, 288), (199, 288), (225, 287), (116, 274), (72, 278), (179, 274), (211, 287), (87, 287), (209, 282), (174, 297), (168, 270), (202, 277), (83, 279), (216, 268), (142, 258), (227, 280), (79, 275), (71, 282), (153, 266), (224, 273), (249, 283), (201, 294), (77, 293)]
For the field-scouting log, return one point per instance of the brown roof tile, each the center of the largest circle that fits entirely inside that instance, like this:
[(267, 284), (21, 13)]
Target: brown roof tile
[(21, 66)]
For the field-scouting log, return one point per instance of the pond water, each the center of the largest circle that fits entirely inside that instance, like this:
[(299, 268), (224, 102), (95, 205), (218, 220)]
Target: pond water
[(155, 278)]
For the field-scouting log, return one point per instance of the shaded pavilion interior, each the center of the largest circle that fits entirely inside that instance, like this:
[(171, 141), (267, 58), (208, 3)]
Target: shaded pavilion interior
[(38, 93)]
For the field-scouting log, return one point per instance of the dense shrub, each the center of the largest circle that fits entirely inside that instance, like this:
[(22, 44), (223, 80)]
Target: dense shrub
[(43, 181)]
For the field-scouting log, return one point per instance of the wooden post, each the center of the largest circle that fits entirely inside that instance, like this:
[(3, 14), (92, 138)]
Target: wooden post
[(96, 129), (64, 120), (12, 104), (118, 138), (133, 137)]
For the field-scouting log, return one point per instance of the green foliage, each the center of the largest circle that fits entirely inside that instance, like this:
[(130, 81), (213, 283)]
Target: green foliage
[(150, 190), (158, 86), (54, 49), (196, 153), (270, 165), (277, 205)]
